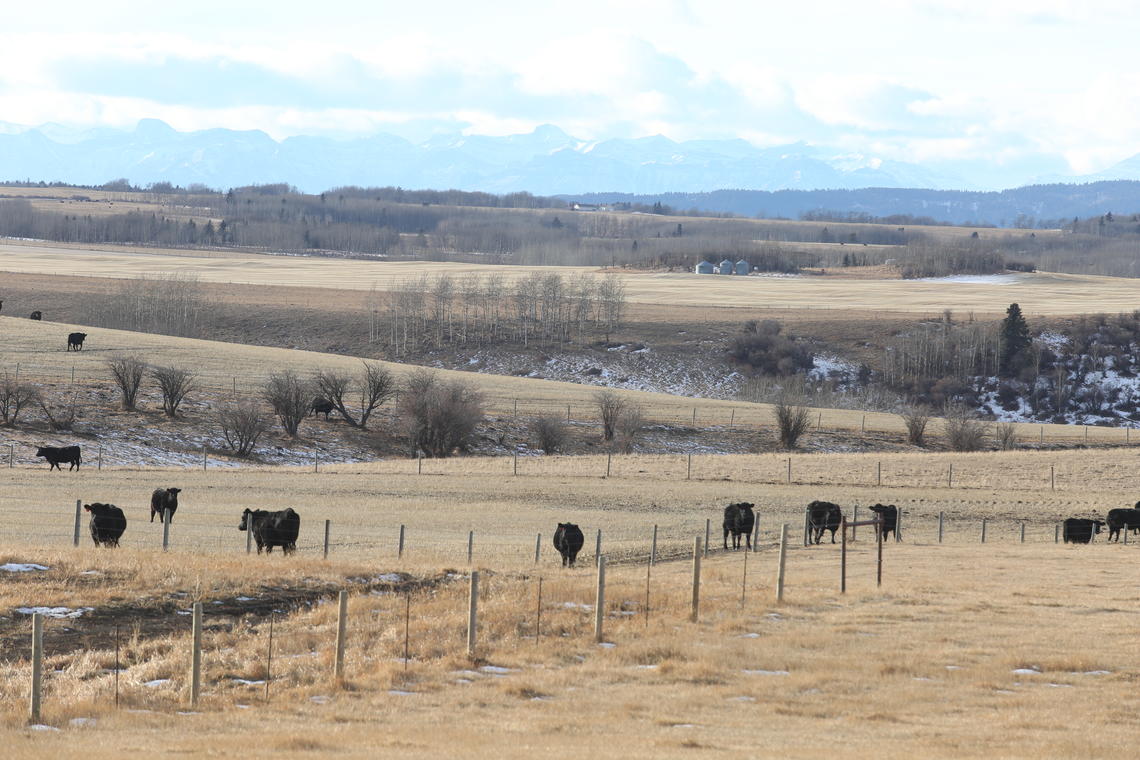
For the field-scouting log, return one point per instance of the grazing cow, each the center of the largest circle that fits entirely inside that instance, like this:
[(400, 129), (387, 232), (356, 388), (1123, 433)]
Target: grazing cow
[(1128, 519), (739, 521), (321, 406), (272, 529), (889, 514), (1078, 530), (161, 500), (36, 315), (568, 540), (823, 515), (107, 523), (56, 454), (75, 341)]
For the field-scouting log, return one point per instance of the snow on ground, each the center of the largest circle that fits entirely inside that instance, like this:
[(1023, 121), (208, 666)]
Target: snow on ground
[(55, 612), (831, 367), (17, 567), (976, 279)]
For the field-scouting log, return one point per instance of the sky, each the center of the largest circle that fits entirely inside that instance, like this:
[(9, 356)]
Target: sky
[(924, 81)]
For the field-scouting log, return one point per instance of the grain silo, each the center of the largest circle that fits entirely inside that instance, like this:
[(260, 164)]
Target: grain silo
[(705, 267), (727, 267), (742, 267)]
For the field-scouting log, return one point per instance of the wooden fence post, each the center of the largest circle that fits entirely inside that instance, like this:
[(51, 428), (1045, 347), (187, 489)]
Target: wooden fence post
[(695, 613), (166, 529), (653, 548), (1023, 531), (598, 546), (983, 530), (99, 462), (807, 536), (940, 516), (341, 631), (756, 534), (689, 471), (78, 512), (898, 525), (470, 545), (878, 476), (249, 535), (609, 460), (843, 556), (419, 465), (783, 557), (472, 612), (12, 455), (600, 601), (37, 666), (204, 458), (328, 525), (789, 469), (855, 518), (516, 472), (195, 654), (708, 529), (1052, 481), (400, 545), (1057, 533), (537, 547), (950, 476)]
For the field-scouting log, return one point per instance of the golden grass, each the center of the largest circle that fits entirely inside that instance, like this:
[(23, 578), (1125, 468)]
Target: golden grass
[(1039, 294), (39, 350)]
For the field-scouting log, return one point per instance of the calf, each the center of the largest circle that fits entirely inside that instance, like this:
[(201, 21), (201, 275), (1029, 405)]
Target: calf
[(272, 529), (1117, 519), (57, 454), (107, 523), (164, 499), (1078, 530), (321, 406), (823, 515), (75, 341), (889, 517), (568, 540), (739, 520)]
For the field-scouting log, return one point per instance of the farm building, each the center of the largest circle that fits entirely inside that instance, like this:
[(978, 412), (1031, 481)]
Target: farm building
[(705, 267), (727, 267), (742, 267)]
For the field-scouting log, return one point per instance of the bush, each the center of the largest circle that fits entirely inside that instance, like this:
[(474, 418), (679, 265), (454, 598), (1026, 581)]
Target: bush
[(14, 397), (610, 406), (764, 349), (290, 397), (628, 427), (549, 433), (916, 419), (127, 372), (241, 426), (792, 421), (374, 384), (1006, 435), (964, 431), (440, 416), (59, 416), (175, 383)]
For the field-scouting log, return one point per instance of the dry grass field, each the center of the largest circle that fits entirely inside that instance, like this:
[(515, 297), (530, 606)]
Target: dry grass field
[(1038, 294)]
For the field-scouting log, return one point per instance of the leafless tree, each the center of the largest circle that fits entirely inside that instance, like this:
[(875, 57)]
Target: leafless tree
[(792, 421), (964, 431), (374, 383), (916, 419), (127, 372), (59, 416), (629, 425), (175, 384), (549, 433), (291, 398), (440, 415), (241, 425), (610, 407), (1006, 435), (14, 397)]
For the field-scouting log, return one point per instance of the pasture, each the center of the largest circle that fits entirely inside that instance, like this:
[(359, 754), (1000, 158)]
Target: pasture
[(968, 650), (1040, 294)]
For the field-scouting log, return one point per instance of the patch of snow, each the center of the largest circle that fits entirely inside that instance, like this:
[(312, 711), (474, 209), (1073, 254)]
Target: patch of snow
[(1060, 685), (607, 645), (645, 667), (400, 693), (247, 682), (92, 572), (319, 700), (496, 670), (976, 279), (156, 683), (765, 672), (1096, 673), (41, 727), (55, 612), (831, 367), (244, 598), (742, 699), (82, 722), (18, 567), (1026, 671), (748, 636), (577, 606)]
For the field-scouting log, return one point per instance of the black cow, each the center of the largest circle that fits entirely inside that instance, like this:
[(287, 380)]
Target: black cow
[(163, 499), (739, 521), (321, 406), (889, 514), (272, 528), (1128, 519), (568, 540), (1078, 530), (107, 523), (57, 454), (823, 515), (36, 315), (75, 341)]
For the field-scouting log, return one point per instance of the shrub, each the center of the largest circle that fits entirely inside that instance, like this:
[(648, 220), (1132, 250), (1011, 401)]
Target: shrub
[(241, 426), (549, 433), (1006, 435), (59, 416), (764, 349), (127, 372), (290, 397), (175, 383), (916, 419), (628, 427), (440, 415), (792, 421), (964, 431), (14, 397), (374, 384), (610, 406)]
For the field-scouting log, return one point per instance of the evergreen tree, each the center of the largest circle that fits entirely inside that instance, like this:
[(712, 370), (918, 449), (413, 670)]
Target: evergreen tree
[(1015, 341)]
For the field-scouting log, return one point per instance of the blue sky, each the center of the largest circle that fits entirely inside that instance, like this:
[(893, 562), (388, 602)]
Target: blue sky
[(923, 81)]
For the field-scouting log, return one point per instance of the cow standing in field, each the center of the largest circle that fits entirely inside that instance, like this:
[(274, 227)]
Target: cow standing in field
[(1121, 519), (164, 499), (823, 515), (36, 315), (568, 540), (1077, 530), (75, 341), (739, 520), (57, 454), (272, 529), (889, 516), (321, 406), (107, 523)]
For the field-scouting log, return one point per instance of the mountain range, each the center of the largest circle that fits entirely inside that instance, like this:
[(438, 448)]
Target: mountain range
[(546, 161)]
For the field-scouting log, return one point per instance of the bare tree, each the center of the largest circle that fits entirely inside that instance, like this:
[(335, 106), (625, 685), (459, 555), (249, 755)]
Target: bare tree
[(629, 425), (175, 384), (1006, 435), (440, 415), (60, 416), (14, 397), (792, 421), (610, 406), (241, 425), (127, 372), (964, 431), (549, 433), (375, 385), (290, 397), (916, 419)]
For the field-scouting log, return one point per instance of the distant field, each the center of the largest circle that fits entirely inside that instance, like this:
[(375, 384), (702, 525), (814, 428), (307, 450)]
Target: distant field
[(1038, 294)]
